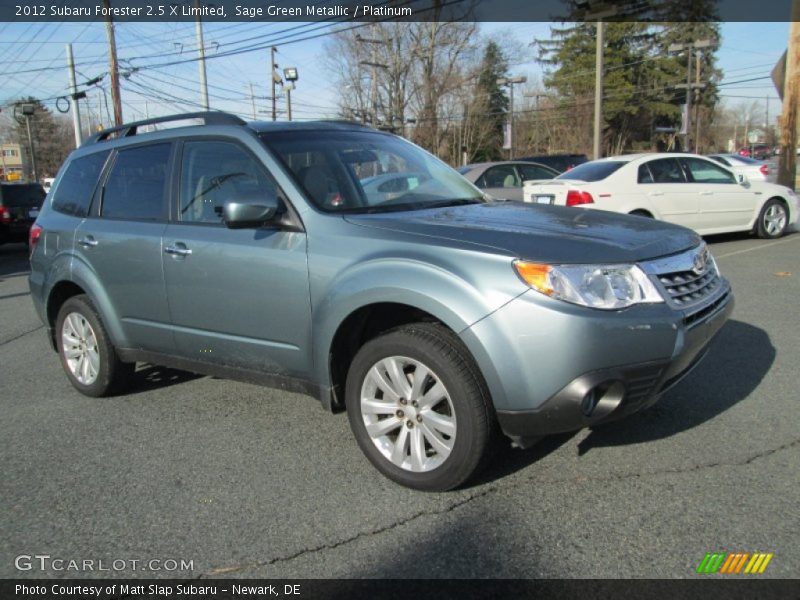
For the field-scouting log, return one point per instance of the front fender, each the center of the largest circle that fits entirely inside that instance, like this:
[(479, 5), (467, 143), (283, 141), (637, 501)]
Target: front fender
[(454, 301)]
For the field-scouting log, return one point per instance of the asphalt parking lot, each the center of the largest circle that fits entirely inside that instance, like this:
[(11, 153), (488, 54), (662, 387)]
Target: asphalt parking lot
[(249, 482)]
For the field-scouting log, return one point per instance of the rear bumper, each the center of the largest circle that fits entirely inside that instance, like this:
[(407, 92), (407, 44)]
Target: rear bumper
[(632, 359)]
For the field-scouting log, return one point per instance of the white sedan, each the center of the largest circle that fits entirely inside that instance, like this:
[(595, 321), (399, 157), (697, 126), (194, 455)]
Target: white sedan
[(686, 189), (756, 170)]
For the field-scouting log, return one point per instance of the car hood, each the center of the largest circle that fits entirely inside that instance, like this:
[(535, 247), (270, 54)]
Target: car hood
[(542, 233)]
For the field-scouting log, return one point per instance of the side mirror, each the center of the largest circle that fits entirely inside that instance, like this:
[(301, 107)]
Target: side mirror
[(249, 213), (742, 178)]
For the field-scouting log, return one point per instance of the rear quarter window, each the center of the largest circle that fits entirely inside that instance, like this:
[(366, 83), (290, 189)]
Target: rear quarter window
[(73, 195)]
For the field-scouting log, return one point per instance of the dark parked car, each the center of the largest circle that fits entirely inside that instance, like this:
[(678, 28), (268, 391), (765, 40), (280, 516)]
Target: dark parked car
[(559, 162), (756, 151), (19, 207), (432, 315), (504, 180)]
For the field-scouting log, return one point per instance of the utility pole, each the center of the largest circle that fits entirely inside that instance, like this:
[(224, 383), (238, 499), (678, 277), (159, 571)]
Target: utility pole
[(510, 81), (201, 50), (274, 75), (598, 91), (697, 103), (253, 101), (375, 65), (113, 67), (73, 88), (791, 99), (690, 49)]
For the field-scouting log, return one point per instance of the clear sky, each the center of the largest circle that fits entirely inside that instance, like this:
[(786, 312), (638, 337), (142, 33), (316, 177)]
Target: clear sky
[(32, 62)]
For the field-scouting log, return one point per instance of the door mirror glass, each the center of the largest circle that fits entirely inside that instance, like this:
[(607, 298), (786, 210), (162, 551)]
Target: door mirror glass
[(242, 213)]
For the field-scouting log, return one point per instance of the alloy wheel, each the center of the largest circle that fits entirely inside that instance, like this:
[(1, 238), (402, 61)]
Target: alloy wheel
[(79, 345), (408, 414)]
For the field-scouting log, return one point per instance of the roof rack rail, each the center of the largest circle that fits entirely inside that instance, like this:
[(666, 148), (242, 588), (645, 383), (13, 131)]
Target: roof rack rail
[(345, 122), (129, 129)]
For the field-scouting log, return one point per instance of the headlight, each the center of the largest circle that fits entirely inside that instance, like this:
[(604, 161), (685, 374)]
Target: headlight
[(607, 287)]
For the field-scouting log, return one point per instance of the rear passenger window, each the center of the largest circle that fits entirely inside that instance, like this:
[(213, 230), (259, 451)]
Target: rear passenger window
[(74, 193), (136, 185), (665, 170)]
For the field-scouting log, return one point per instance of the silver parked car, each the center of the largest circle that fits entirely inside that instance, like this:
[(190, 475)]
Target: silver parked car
[(503, 180), (269, 252)]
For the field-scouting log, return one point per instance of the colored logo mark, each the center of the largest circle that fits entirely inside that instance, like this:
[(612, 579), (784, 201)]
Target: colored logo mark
[(733, 563)]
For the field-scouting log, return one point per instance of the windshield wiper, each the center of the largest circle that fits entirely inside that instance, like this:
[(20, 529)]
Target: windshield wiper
[(454, 202)]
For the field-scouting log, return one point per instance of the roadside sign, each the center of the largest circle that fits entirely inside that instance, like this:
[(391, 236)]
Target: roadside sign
[(779, 74)]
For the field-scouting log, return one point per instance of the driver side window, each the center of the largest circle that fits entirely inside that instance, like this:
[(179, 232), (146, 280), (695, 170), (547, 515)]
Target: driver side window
[(213, 173)]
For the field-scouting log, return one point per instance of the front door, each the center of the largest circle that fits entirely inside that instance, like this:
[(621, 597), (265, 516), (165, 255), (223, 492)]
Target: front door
[(237, 297)]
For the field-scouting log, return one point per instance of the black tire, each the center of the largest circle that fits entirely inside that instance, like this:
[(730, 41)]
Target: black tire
[(446, 357), (641, 213), (113, 375), (770, 207)]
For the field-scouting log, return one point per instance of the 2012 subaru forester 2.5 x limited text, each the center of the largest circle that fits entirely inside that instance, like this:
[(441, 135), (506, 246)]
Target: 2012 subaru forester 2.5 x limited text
[(349, 264)]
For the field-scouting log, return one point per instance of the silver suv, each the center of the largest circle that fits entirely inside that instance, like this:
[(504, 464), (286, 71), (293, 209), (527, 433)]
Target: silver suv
[(349, 264)]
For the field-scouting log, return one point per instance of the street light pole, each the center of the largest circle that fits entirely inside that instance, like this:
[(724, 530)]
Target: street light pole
[(28, 111)]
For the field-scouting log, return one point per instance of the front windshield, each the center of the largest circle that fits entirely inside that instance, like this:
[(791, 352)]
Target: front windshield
[(366, 171)]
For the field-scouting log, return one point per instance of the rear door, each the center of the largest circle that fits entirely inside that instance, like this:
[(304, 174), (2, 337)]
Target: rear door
[(121, 243), (239, 297), (664, 183), (723, 203)]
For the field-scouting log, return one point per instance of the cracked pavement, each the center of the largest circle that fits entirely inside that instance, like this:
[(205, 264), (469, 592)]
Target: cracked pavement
[(251, 482)]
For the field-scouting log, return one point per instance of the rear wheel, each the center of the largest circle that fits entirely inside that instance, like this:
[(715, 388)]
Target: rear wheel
[(641, 213), (418, 407), (772, 220), (87, 355)]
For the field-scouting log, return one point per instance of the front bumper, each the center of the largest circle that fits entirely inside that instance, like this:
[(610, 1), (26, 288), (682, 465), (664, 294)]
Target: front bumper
[(614, 364)]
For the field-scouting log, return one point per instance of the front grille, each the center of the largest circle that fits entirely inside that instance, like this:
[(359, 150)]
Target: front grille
[(687, 280), (687, 288)]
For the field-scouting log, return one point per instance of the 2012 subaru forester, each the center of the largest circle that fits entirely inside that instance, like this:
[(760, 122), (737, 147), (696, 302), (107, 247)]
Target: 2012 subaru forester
[(347, 263)]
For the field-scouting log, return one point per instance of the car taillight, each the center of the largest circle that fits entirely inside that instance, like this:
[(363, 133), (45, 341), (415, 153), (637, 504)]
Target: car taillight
[(33, 238), (764, 170), (575, 197), (5, 215)]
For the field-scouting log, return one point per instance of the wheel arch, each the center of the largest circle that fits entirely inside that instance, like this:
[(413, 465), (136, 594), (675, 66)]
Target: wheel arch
[(363, 323)]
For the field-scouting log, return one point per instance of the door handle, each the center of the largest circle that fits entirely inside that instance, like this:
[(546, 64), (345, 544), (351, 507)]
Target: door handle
[(178, 250), (87, 242), (706, 193), (655, 193)]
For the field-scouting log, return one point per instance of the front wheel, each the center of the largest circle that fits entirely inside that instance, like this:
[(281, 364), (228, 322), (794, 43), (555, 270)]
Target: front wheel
[(772, 219), (418, 407)]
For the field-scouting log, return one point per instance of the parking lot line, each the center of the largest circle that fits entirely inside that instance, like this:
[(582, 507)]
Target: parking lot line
[(759, 247)]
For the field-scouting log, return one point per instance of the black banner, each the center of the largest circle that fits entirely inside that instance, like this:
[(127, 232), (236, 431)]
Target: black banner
[(219, 589), (392, 10)]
